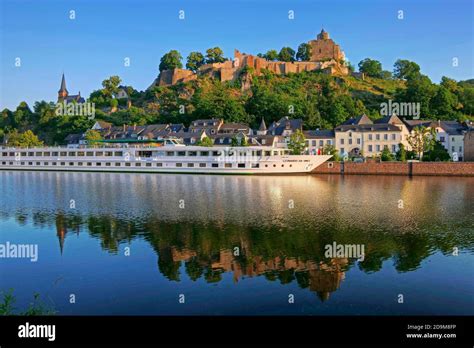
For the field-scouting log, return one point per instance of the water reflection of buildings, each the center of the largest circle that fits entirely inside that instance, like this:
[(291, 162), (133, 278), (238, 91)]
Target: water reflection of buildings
[(320, 277), (62, 229)]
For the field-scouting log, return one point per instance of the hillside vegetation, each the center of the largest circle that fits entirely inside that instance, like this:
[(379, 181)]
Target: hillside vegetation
[(321, 100)]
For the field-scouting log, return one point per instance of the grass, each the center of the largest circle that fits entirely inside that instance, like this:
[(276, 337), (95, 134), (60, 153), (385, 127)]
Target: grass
[(37, 307)]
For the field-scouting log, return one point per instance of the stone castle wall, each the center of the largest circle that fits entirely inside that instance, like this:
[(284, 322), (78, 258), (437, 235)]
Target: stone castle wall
[(326, 55)]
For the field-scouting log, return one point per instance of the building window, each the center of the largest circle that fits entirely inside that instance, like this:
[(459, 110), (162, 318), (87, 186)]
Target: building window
[(453, 149), (342, 141), (377, 136), (342, 150), (385, 137), (202, 165), (460, 148), (117, 164), (394, 137), (255, 165), (107, 164), (394, 148), (54, 163), (441, 139), (377, 148), (370, 148), (228, 165), (89, 153), (98, 164), (70, 163), (148, 164), (350, 141), (99, 154), (370, 136), (62, 163), (128, 164), (204, 153), (159, 164), (118, 153), (452, 139), (190, 165), (138, 164), (358, 141), (38, 163), (215, 165), (241, 165), (79, 163), (179, 165)]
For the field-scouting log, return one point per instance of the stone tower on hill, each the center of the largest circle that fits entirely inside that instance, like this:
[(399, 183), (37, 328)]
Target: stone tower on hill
[(324, 48)]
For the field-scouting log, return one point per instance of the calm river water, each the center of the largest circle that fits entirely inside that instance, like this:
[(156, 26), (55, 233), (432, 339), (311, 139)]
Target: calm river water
[(244, 245)]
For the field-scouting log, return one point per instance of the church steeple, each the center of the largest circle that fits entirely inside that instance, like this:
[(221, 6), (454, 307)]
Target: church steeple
[(63, 93)]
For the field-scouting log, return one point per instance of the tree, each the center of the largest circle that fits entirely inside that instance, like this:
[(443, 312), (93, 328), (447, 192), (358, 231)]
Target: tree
[(421, 140), (214, 55), (110, 86), (171, 60), (401, 153), (271, 55), (405, 69), (444, 103), (304, 52), (297, 142), (370, 67), (329, 149), (194, 61), (207, 142), (437, 153), (386, 155), (92, 136), (234, 141), (386, 75), (287, 54), (26, 139), (418, 89)]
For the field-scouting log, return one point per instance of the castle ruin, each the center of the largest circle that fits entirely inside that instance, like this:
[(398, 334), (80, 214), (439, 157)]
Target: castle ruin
[(326, 56)]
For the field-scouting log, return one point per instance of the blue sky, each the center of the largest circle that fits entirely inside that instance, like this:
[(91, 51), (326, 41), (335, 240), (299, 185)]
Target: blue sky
[(94, 45)]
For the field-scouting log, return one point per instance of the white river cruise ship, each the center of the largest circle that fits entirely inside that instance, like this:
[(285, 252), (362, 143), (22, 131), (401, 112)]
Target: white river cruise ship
[(168, 158)]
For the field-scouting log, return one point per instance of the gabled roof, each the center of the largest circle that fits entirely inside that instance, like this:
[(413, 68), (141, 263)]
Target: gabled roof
[(262, 127), (362, 119), (393, 119), (367, 127), (319, 134), (277, 128)]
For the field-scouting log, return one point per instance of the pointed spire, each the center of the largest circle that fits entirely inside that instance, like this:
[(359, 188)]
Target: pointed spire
[(263, 127), (63, 85)]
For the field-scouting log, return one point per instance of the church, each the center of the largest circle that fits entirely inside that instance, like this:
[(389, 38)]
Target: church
[(63, 94)]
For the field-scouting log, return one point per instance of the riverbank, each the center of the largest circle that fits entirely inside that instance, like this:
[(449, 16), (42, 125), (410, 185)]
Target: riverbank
[(398, 168)]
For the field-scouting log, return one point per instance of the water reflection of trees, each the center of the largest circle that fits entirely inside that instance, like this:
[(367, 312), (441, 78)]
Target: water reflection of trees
[(284, 255)]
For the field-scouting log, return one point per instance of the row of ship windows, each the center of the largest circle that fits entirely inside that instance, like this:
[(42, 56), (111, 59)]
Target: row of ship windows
[(139, 153), (128, 164)]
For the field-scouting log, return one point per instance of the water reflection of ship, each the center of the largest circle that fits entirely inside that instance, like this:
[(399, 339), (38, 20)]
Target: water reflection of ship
[(320, 277)]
